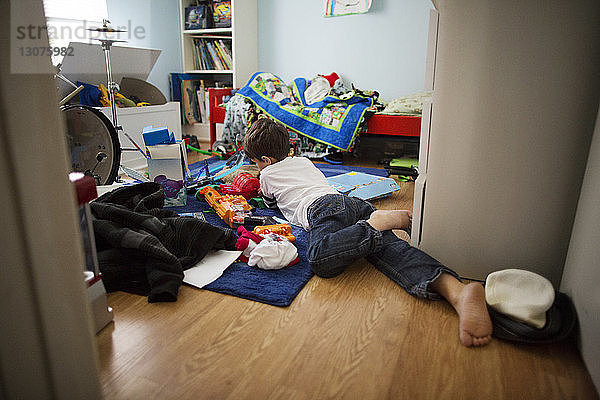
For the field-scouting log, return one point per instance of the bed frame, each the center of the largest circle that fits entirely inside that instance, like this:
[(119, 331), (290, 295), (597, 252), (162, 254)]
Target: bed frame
[(378, 124)]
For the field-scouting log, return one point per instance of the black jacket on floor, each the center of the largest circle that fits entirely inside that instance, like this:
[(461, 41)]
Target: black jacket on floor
[(143, 248)]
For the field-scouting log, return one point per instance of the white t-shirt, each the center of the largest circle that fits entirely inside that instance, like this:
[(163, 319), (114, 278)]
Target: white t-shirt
[(294, 183)]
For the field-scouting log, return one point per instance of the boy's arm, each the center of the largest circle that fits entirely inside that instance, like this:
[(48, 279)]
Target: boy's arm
[(269, 201), (267, 197)]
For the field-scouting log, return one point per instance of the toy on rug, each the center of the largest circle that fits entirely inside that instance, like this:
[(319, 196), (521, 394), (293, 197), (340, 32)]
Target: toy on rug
[(232, 209), (249, 169), (246, 242), (284, 230), (267, 251), (243, 184)]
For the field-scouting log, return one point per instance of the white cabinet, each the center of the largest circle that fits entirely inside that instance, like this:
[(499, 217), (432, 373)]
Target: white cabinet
[(421, 182), (514, 106)]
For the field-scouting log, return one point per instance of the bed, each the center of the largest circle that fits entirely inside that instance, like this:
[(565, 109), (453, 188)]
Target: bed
[(377, 124), (394, 125)]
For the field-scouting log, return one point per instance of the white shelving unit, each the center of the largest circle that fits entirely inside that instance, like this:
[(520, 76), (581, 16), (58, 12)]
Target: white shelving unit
[(244, 38), (243, 34)]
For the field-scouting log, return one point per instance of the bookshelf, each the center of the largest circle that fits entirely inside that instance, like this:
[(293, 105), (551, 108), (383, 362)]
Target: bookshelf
[(241, 41), (241, 38)]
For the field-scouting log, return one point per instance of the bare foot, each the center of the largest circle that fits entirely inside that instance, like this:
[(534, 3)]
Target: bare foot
[(384, 220), (475, 326)]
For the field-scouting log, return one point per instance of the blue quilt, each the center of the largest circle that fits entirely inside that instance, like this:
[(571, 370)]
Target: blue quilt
[(333, 120)]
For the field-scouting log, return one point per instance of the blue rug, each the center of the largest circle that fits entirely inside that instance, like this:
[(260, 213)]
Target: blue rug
[(274, 287)]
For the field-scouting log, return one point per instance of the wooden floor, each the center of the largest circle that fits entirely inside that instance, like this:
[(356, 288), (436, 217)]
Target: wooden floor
[(357, 336)]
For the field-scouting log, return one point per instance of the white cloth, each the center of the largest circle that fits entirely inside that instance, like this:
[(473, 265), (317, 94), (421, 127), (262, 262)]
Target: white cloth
[(294, 183), (273, 252), (248, 250), (412, 104), (317, 90), (522, 295)]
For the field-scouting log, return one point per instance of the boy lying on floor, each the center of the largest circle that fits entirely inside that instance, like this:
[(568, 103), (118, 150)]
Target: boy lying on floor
[(342, 229)]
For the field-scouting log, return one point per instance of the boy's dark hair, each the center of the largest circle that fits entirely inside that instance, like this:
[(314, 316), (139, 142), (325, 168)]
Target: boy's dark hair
[(266, 137)]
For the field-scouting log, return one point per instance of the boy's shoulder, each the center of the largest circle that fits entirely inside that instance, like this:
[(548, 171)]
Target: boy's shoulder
[(302, 163), (294, 161), (288, 165), (299, 160)]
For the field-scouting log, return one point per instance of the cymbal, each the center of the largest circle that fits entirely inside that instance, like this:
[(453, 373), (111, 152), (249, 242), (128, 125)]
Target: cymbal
[(109, 40), (104, 29)]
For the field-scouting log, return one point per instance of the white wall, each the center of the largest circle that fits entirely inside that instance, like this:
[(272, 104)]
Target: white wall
[(160, 21), (381, 50), (582, 269)]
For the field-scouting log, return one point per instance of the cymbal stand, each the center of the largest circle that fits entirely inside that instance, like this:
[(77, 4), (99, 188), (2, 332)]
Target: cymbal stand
[(110, 85), (112, 89)]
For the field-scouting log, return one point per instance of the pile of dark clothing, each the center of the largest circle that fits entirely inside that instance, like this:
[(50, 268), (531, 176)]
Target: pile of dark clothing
[(143, 248)]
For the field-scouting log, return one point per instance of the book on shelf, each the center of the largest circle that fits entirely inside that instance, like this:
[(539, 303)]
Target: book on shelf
[(221, 53), (202, 95), (221, 13), (204, 61), (226, 53), (190, 103), (198, 17), (215, 57), (201, 61), (220, 57), (212, 53)]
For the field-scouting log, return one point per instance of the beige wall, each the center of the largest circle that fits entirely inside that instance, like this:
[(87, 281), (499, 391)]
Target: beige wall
[(513, 115), (581, 276)]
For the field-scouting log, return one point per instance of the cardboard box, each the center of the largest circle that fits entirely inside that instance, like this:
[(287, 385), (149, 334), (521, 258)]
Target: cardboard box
[(153, 136), (167, 166)]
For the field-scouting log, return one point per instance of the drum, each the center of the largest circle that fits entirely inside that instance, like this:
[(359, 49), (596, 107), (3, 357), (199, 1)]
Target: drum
[(93, 143)]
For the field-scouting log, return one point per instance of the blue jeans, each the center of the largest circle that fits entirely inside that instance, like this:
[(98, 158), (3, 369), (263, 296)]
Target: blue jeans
[(339, 234)]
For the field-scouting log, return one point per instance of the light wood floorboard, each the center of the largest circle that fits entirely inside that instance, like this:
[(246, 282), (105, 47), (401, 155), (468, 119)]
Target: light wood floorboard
[(356, 336)]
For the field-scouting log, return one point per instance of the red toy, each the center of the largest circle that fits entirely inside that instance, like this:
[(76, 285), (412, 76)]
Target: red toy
[(247, 241), (244, 184)]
